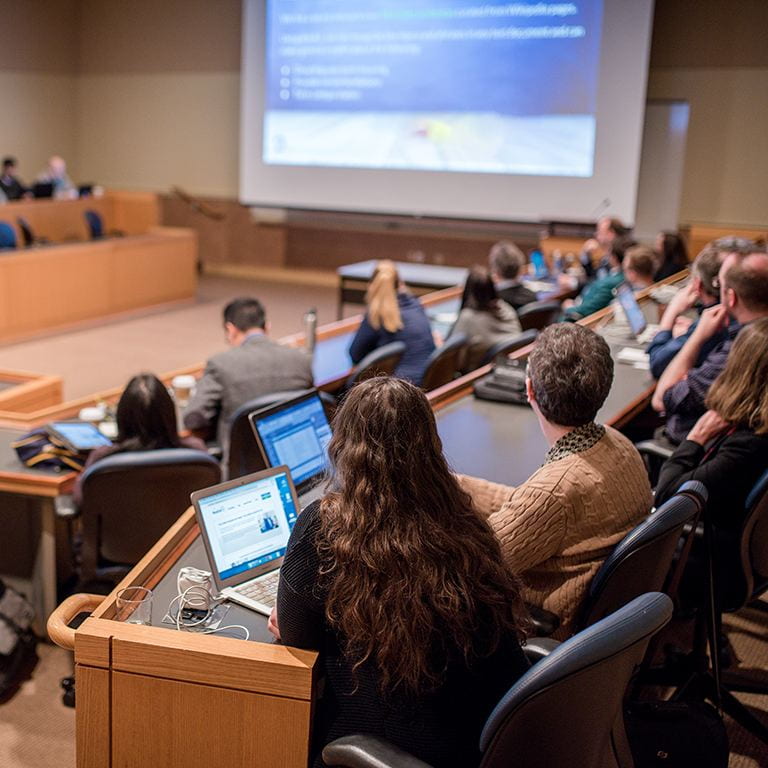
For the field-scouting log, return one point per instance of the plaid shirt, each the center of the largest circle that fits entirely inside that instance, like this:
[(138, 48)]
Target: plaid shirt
[(684, 402)]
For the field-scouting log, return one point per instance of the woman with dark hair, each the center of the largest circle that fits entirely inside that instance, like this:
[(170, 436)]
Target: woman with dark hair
[(672, 255), (400, 584), (483, 317), (146, 421)]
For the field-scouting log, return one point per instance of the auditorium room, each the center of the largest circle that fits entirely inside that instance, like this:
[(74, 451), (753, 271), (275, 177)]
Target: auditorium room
[(384, 384)]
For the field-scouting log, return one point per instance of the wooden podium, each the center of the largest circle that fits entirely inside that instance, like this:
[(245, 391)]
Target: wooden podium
[(151, 696)]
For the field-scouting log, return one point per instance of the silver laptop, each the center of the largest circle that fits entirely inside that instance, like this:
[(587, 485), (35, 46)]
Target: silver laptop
[(635, 317), (296, 433), (245, 525)]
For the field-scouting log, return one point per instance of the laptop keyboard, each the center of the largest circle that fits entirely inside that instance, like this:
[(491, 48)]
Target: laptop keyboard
[(261, 590)]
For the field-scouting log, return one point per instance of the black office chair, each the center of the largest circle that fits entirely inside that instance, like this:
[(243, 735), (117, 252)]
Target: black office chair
[(443, 363), (538, 315), (243, 456), (7, 236), (581, 684), (508, 346), (129, 501), (380, 362)]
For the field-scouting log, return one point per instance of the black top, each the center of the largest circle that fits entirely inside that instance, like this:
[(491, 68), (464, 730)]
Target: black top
[(441, 728), (729, 474), (12, 187), (517, 296)]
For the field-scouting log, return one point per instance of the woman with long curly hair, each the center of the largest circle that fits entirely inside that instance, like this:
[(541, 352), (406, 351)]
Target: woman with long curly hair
[(401, 585)]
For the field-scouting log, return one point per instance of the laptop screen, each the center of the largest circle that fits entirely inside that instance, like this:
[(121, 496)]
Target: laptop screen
[(632, 310), (249, 525), (295, 434)]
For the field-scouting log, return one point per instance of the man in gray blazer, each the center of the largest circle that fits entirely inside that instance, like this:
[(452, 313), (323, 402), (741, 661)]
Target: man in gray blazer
[(254, 366)]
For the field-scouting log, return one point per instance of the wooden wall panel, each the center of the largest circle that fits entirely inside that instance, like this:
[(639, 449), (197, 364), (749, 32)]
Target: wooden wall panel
[(93, 723)]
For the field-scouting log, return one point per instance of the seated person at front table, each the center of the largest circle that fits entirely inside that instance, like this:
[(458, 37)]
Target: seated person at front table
[(484, 318), (506, 262), (595, 253), (630, 263), (683, 387), (56, 173), (394, 315), (675, 328), (401, 586), (9, 182), (557, 528), (146, 421), (671, 255), (254, 366)]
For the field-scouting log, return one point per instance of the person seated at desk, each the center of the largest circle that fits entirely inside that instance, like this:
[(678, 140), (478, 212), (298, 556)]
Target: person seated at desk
[(483, 317), (253, 366), (675, 327), (595, 253), (10, 185), (682, 388), (401, 586), (557, 528), (394, 315), (671, 255), (56, 173), (630, 263), (506, 262), (146, 421)]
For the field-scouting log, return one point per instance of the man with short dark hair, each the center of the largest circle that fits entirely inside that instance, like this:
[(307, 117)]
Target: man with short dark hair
[(10, 185), (558, 527), (683, 387), (253, 366), (506, 262)]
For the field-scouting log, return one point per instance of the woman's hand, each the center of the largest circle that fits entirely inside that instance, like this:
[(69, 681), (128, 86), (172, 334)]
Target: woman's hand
[(272, 624), (708, 427)]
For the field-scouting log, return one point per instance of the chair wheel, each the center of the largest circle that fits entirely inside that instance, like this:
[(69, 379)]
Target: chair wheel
[(68, 698)]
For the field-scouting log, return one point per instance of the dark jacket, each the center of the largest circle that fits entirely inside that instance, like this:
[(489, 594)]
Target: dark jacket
[(517, 296), (442, 728), (415, 333)]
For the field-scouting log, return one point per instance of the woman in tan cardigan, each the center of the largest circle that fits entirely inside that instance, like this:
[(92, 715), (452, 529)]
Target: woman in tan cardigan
[(558, 527)]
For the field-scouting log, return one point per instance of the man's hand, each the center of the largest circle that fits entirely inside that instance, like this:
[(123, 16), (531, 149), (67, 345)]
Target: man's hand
[(708, 427), (272, 624), (713, 320), (682, 301)]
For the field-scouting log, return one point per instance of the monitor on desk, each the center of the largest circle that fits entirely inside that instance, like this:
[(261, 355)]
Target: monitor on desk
[(42, 189)]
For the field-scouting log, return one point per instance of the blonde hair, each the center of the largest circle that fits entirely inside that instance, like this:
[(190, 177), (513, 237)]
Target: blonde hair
[(381, 298), (739, 394)]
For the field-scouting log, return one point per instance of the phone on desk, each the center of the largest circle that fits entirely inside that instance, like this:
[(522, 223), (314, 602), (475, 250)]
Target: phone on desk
[(505, 383)]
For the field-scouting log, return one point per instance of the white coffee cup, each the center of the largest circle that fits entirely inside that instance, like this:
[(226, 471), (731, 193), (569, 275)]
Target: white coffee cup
[(183, 387)]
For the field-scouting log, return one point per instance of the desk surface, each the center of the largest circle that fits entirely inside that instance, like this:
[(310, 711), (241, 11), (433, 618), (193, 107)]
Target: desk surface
[(424, 275)]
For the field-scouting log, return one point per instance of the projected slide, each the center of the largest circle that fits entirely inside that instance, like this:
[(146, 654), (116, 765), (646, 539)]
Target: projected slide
[(437, 85)]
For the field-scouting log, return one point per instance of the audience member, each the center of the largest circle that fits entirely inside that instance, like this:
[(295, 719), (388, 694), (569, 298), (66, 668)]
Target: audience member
[(683, 386), (56, 173), (675, 327), (638, 267), (506, 262), (253, 366), (558, 526), (484, 318), (595, 253), (146, 421), (671, 255), (10, 184), (401, 585), (394, 315)]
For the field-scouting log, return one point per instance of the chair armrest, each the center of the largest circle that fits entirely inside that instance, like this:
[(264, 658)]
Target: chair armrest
[(652, 448), (545, 623), (364, 751), (538, 648), (65, 507)]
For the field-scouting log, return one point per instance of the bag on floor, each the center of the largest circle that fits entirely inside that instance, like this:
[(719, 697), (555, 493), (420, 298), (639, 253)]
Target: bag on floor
[(38, 449), (676, 734), (18, 644)]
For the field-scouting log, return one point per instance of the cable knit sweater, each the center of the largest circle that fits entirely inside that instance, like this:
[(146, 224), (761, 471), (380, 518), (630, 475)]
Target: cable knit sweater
[(558, 527)]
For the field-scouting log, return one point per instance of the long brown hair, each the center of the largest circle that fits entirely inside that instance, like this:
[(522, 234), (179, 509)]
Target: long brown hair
[(740, 393), (480, 292), (415, 577), (381, 298)]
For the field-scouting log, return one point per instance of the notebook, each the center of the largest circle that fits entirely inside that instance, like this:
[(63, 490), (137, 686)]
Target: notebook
[(296, 433), (245, 525)]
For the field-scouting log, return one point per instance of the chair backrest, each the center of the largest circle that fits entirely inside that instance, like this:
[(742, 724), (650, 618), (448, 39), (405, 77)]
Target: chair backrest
[(567, 709), (538, 314), (508, 346), (243, 455), (381, 361), (641, 561), (95, 224), (26, 231), (444, 362), (7, 235), (130, 499)]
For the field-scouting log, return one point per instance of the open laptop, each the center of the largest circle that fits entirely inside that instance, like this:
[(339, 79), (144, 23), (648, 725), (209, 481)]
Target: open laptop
[(296, 433), (245, 525), (635, 317)]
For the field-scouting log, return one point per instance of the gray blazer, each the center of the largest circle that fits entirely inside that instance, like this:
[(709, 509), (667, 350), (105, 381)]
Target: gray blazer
[(257, 367)]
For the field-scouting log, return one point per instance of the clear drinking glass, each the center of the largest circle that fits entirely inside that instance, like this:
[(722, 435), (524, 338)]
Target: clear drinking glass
[(134, 605)]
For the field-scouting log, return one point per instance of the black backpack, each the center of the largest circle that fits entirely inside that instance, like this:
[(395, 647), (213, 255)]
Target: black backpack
[(18, 644)]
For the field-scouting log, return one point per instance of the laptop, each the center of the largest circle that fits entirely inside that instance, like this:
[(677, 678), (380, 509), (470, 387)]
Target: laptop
[(245, 525), (78, 436), (635, 317), (296, 433)]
